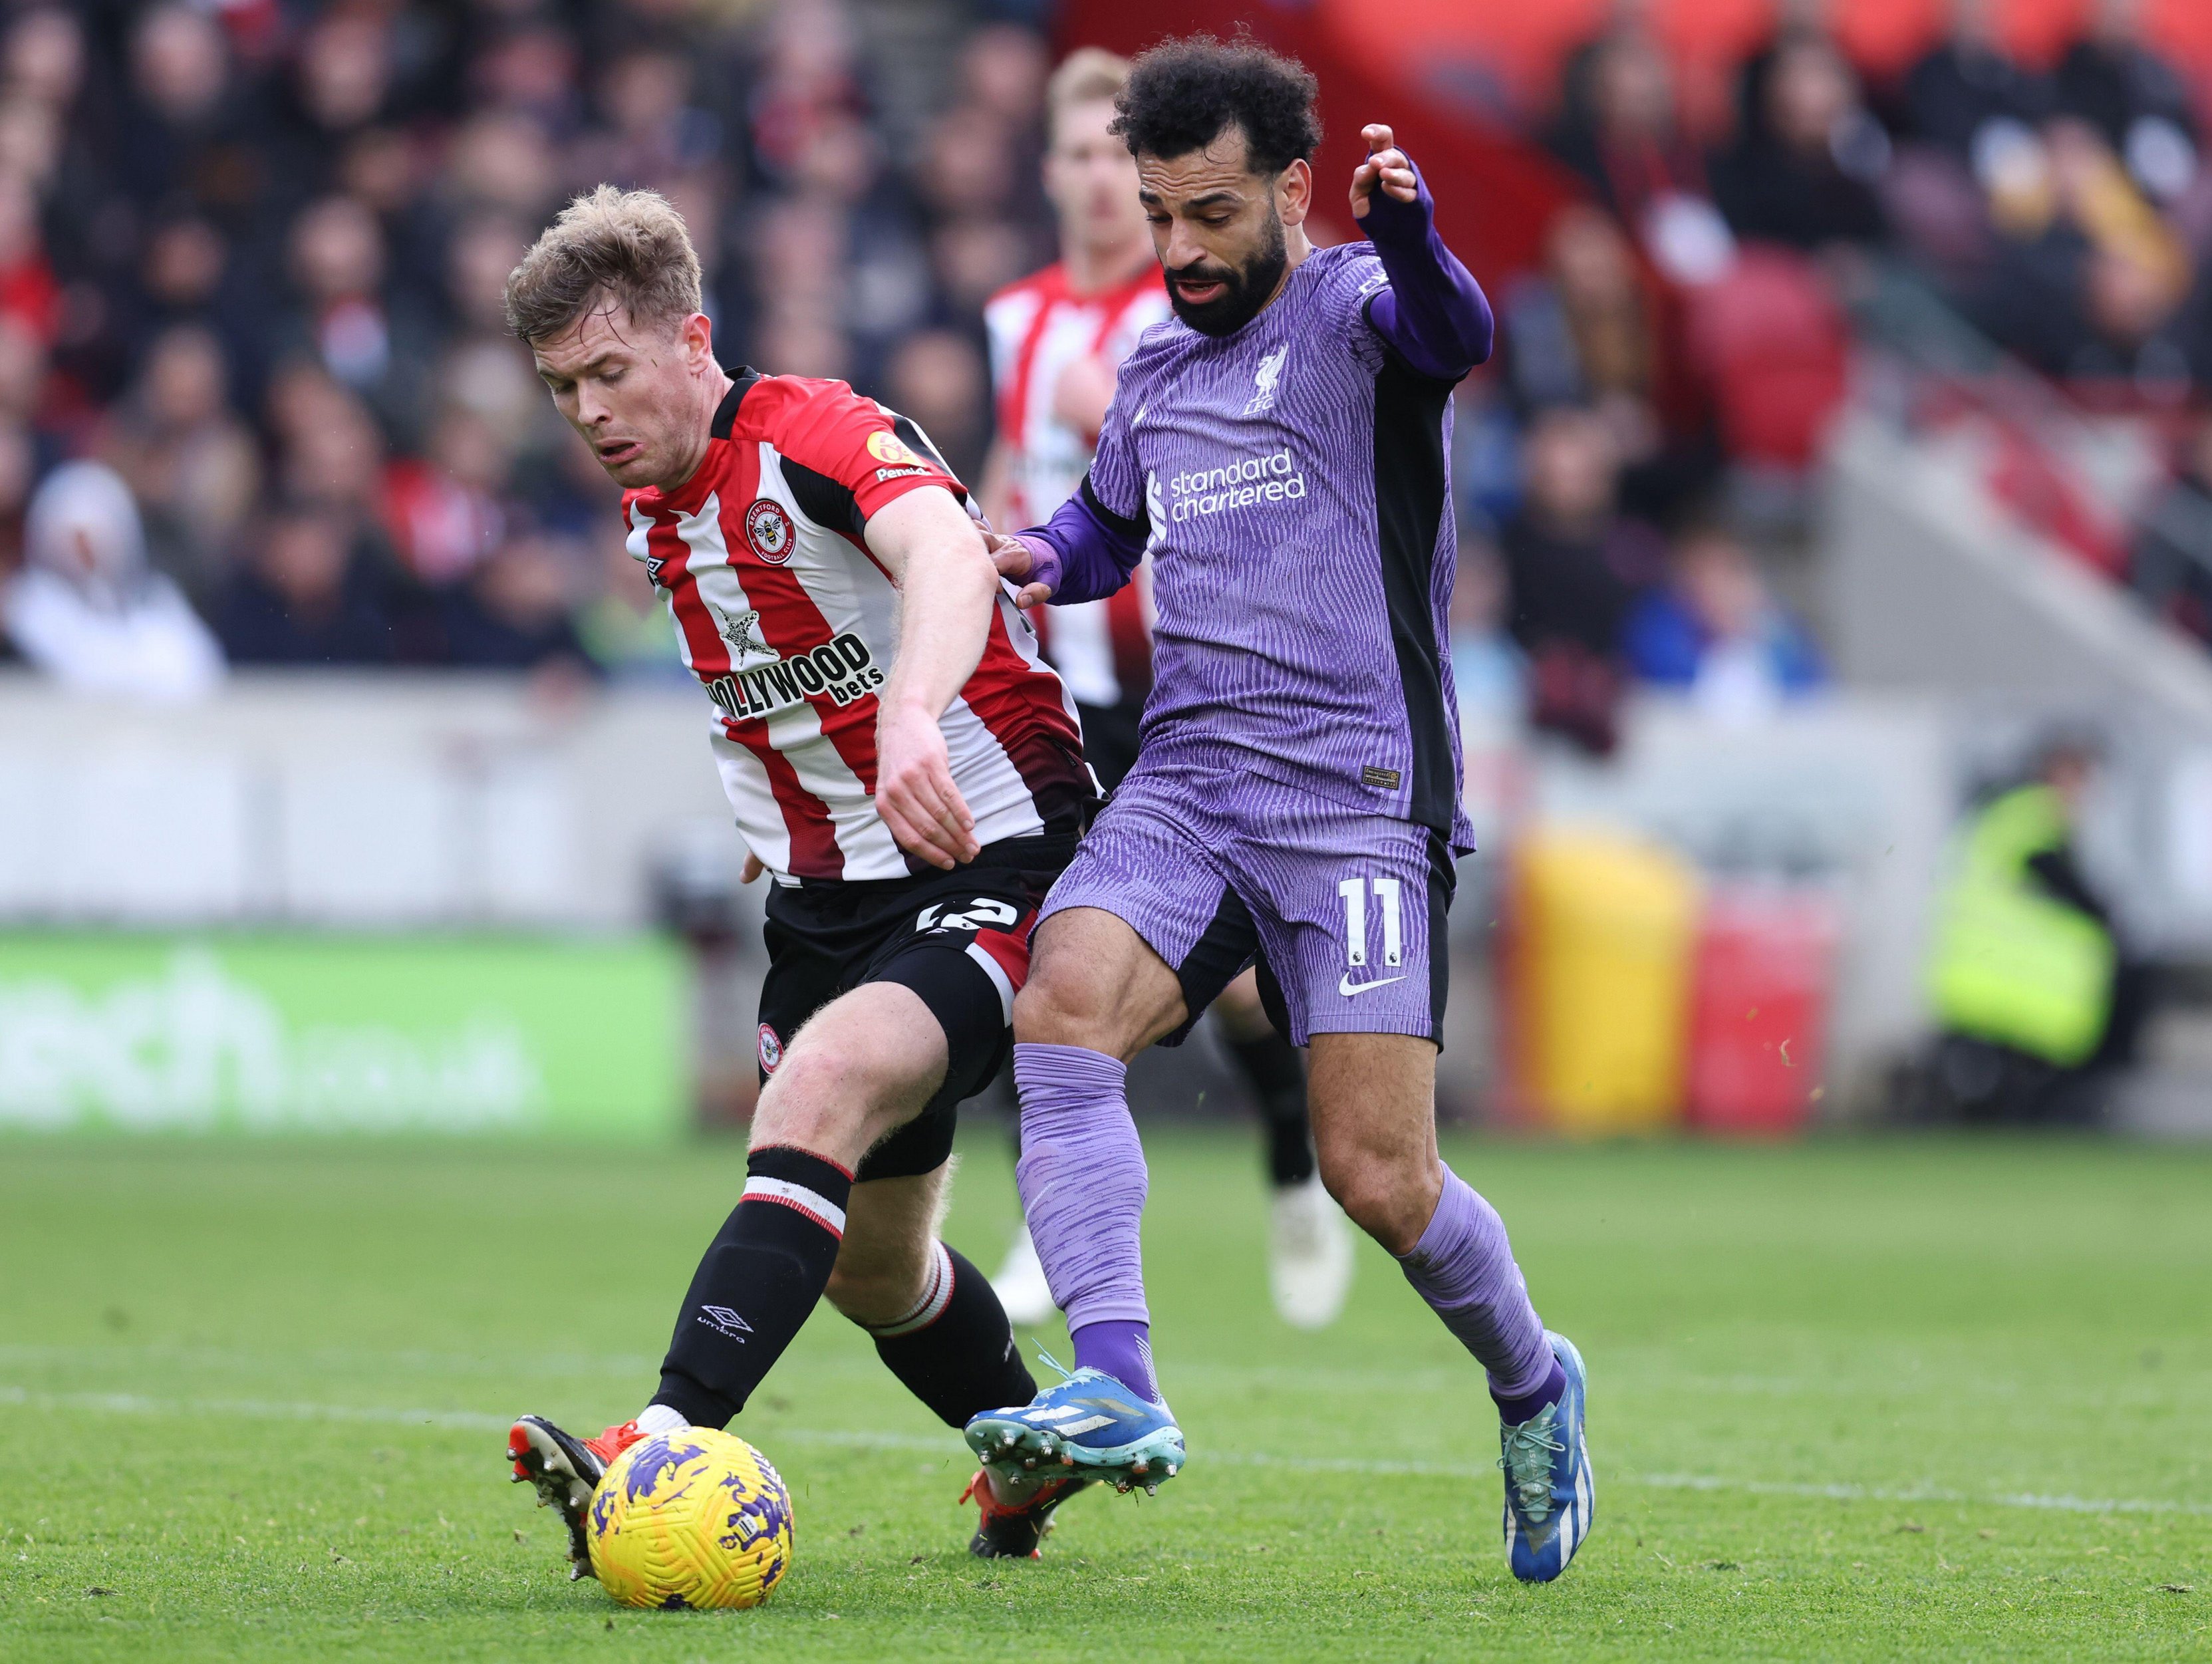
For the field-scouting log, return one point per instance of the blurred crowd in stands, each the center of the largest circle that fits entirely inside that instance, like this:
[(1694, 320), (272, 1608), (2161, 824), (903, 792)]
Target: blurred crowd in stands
[(250, 263), (251, 254), (1666, 375)]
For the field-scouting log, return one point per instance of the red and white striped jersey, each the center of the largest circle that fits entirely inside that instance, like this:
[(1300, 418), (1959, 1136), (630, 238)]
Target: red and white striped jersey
[(1037, 328), (789, 621)]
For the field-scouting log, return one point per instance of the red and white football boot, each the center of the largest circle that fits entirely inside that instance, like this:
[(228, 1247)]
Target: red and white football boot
[(1013, 1531), (566, 1469)]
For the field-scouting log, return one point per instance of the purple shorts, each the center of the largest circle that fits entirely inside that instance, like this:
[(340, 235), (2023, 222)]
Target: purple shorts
[(1341, 908)]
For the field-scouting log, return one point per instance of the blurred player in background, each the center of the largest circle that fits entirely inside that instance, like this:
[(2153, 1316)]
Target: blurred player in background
[(1056, 338), (1280, 450), (901, 762)]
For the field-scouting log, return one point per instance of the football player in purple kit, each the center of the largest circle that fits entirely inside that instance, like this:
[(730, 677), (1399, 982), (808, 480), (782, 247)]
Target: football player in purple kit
[(1279, 447)]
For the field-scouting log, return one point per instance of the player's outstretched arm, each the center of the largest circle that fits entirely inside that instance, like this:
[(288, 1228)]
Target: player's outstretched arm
[(935, 554), (1434, 314), (1086, 552)]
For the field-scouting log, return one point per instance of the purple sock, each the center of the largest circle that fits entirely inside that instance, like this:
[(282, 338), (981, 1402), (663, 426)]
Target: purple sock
[(1083, 1184), (1463, 1267), (1514, 1411), (1123, 1349)]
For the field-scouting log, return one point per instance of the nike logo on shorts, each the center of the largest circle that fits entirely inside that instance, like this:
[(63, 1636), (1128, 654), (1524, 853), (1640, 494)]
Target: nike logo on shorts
[(1347, 987)]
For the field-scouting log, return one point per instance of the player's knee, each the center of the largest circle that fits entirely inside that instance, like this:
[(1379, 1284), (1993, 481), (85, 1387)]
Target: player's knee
[(1390, 1199), (1361, 1191), (1068, 1001), (810, 1089), (1060, 1008), (826, 1096)]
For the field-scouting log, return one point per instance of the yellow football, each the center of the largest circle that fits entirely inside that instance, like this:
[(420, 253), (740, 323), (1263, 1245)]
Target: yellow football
[(696, 1518)]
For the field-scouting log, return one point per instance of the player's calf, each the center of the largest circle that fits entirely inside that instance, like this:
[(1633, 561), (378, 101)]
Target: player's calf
[(1374, 1126), (865, 1065), (936, 1321)]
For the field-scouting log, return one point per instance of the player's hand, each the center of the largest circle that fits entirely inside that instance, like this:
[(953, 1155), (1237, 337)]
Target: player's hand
[(1386, 166), (1015, 560), (914, 792), (753, 868)]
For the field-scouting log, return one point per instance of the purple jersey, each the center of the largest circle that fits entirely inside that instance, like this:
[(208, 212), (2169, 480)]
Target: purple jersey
[(1292, 486)]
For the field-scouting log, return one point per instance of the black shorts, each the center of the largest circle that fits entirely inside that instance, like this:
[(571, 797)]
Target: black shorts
[(1111, 738), (1229, 947), (960, 940)]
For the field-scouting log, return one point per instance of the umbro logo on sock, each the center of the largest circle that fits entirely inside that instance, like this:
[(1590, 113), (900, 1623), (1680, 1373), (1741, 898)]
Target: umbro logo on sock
[(723, 1320)]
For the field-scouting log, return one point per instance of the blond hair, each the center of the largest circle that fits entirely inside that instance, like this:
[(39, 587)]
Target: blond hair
[(627, 248), (1087, 75)]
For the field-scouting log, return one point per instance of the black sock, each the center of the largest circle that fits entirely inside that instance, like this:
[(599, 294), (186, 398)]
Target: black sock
[(1002, 1098), (955, 1351), (756, 1285), (1271, 1064)]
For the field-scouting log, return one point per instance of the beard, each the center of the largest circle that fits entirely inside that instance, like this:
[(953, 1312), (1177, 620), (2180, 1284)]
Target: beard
[(1244, 289)]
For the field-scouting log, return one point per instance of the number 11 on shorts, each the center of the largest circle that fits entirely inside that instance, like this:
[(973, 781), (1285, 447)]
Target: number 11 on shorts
[(1354, 891)]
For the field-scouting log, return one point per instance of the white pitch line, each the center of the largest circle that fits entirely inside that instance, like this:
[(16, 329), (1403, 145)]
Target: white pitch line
[(137, 1404), (475, 1421), (1861, 1493), (1754, 1487)]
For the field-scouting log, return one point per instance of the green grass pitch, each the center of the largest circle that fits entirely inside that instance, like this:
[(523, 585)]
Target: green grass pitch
[(1848, 1399)]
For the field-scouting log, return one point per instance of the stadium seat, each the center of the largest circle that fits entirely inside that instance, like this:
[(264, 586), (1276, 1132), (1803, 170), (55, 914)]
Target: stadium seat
[(1777, 350)]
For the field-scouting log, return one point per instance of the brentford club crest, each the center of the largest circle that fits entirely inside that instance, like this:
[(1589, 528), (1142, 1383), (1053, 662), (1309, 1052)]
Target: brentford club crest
[(769, 529), (771, 1049)]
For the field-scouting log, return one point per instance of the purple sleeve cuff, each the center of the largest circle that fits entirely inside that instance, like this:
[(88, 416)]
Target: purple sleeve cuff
[(1044, 560), (1085, 551), (1434, 314)]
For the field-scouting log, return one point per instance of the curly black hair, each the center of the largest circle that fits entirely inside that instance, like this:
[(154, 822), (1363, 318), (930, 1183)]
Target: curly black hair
[(1182, 92)]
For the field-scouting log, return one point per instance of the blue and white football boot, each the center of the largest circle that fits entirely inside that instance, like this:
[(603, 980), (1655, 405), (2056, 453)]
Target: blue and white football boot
[(1088, 1422), (1551, 1497)]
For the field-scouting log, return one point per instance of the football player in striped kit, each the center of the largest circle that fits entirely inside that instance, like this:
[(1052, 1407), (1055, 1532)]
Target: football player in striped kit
[(903, 765), (1056, 337)]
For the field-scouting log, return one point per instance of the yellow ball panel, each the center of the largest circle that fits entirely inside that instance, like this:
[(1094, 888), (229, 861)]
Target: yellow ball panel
[(695, 1518)]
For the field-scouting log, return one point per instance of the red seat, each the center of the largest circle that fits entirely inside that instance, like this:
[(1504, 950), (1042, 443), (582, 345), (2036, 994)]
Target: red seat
[(1773, 343)]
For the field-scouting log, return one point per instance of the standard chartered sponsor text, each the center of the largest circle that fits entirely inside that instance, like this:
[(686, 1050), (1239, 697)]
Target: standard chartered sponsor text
[(1273, 478)]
